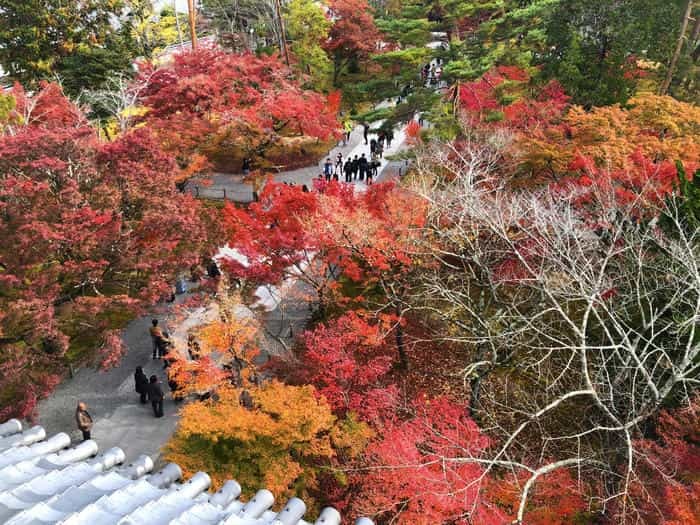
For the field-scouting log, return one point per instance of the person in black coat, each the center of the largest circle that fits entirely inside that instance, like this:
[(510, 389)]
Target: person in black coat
[(347, 169), (156, 394), (141, 384), (363, 165)]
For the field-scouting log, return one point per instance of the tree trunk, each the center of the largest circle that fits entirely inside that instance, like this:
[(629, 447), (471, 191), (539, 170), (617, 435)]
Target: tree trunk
[(193, 23), (694, 37), (679, 48), (475, 384), (400, 345), (177, 23)]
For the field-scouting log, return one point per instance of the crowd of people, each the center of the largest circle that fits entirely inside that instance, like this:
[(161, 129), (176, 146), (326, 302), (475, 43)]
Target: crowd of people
[(360, 167)]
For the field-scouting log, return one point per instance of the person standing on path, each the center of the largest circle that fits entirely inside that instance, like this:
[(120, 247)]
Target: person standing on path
[(156, 394), (348, 170), (156, 335), (355, 167), (141, 382), (363, 166), (328, 169), (365, 133), (84, 420), (347, 126), (338, 164)]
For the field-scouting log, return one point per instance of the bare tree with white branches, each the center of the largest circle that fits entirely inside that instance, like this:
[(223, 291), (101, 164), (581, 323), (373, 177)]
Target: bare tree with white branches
[(118, 98), (583, 314)]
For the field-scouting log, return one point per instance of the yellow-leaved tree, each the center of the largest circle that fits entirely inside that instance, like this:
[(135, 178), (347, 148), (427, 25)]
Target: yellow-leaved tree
[(659, 127), (281, 438)]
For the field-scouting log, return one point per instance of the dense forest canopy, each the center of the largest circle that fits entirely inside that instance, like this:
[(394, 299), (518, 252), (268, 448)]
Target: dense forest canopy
[(503, 330)]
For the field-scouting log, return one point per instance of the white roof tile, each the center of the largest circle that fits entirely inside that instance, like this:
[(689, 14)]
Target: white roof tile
[(42, 482)]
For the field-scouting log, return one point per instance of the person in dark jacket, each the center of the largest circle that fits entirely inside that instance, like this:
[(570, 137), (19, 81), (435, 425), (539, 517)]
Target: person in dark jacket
[(156, 394), (389, 137), (363, 165), (328, 169), (355, 167), (213, 269), (347, 169), (141, 384), (84, 420)]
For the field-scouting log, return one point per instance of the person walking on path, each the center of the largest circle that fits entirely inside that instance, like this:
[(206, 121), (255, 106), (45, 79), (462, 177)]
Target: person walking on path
[(84, 420), (355, 167), (328, 169), (363, 166), (365, 133), (141, 382), (347, 169), (156, 394), (338, 164), (245, 167), (347, 127)]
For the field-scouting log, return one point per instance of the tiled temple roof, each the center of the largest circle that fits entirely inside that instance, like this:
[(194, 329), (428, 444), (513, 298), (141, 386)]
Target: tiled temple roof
[(49, 481)]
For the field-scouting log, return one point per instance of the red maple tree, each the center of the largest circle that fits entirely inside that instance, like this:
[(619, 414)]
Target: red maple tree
[(347, 360), (353, 36), (212, 103), (91, 231)]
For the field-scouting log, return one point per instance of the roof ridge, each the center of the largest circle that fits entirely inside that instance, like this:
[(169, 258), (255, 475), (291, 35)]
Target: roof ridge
[(47, 482)]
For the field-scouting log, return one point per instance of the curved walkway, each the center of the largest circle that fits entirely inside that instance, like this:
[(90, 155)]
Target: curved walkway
[(232, 186)]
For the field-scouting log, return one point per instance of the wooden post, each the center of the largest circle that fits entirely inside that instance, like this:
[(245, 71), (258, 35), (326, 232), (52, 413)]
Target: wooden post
[(193, 18)]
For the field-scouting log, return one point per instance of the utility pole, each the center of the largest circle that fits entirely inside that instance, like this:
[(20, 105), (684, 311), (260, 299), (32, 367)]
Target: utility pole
[(193, 16), (283, 32)]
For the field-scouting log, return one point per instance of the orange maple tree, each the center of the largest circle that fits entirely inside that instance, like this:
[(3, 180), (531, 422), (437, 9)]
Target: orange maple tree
[(281, 442)]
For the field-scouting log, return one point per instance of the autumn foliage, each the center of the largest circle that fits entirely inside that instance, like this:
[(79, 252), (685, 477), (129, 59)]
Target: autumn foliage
[(353, 35), (279, 443), (414, 482), (222, 107), (92, 232), (348, 361)]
